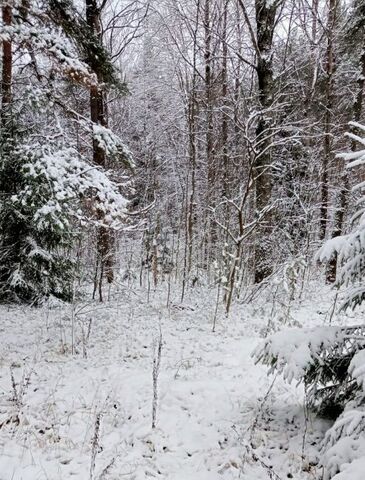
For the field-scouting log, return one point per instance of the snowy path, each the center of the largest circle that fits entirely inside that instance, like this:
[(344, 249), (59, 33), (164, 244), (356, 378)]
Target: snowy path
[(209, 392)]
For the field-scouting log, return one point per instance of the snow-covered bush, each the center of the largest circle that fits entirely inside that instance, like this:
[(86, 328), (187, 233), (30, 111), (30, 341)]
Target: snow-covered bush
[(330, 361)]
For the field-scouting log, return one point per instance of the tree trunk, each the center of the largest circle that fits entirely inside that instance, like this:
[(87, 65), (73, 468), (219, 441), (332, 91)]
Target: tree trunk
[(98, 115), (265, 22), (314, 10), (210, 231), (7, 70), (208, 98), (192, 159), (225, 162), (330, 68)]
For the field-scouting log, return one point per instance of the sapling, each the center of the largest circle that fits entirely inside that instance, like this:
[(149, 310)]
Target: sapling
[(157, 351), (86, 337), (95, 444), (216, 308), (285, 286)]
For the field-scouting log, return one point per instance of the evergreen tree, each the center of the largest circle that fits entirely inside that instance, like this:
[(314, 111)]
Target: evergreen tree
[(331, 360), (48, 186)]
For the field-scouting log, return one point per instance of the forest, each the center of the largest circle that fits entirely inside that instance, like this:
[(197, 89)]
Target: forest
[(182, 239)]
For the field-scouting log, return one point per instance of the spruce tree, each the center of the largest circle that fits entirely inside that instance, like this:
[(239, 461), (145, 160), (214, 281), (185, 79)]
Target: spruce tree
[(49, 189), (330, 360)]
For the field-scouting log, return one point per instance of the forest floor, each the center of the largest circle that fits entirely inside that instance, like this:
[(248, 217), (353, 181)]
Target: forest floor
[(76, 392)]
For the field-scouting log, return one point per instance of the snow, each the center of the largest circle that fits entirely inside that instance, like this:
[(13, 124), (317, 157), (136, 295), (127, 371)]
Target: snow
[(219, 416), (44, 39), (61, 178), (331, 246), (292, 351), (112, 144), (357, 368), (341, 457), (345, 444), (353, 471)]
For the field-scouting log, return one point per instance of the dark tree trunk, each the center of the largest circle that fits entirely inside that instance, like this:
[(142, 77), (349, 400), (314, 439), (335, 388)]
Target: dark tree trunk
[(208, 98), (265, 22), (7, 70), (330, 68), (225, 160), (98, 114)]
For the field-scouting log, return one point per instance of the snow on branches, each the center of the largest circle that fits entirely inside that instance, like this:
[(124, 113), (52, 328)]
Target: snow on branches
[(344, 446), (350, 248), (112, 144), (330, 361), (57, 180), (292, 352), (42, 39)]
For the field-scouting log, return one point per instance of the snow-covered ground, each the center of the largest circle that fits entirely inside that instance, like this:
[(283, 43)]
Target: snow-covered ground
[(86, 414)]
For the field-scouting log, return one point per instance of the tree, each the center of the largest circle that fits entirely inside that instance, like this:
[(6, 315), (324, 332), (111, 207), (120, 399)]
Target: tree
[(266, 19), (329, 99), (330, 360), (356, 33), (49, 189), (98, 116)]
